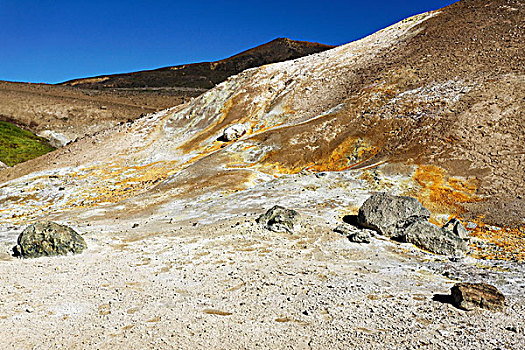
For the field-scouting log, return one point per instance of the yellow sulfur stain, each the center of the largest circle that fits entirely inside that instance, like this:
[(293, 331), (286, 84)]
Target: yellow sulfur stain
[(443, 194), (117, 183), (350, 153)]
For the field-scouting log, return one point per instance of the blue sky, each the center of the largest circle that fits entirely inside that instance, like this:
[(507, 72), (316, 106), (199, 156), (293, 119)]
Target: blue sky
[(53, 41)]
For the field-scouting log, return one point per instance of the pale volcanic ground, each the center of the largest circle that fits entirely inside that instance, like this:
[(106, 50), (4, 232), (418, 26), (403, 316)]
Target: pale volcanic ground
[(176, 260)]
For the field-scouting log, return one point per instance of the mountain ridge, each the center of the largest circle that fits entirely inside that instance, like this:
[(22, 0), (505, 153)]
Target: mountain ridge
[(203, 75)]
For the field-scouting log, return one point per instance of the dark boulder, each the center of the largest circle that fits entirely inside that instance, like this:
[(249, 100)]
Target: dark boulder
[(279, 219), (405, 219), (468, 296), (390, 215), (428, 236), (48, 239)]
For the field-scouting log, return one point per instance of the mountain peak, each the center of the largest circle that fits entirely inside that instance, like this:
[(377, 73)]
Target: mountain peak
[(207, 74)]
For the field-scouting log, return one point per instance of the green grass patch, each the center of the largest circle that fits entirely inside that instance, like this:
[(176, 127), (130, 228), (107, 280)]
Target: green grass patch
[(19, 145)]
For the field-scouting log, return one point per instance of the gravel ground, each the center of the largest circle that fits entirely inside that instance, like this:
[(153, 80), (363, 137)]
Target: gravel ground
[(235, 285)]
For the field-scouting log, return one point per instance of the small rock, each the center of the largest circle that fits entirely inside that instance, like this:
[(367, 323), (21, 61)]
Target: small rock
[(430, 237), (455, 227), (135, 225), (471, 295), (354, 234), (2, 165), (360, 237), (279, 219), (346, 229), (456, 258), (471, 225), (389, 215), (47, 238), (512, 329), (233, 132)]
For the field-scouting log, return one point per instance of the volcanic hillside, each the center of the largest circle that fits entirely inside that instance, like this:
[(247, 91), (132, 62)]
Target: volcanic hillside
[(430, 107), (204, 75)]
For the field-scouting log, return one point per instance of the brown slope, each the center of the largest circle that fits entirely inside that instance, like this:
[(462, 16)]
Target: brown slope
[(448, 99), (73, 112), (204, 75)]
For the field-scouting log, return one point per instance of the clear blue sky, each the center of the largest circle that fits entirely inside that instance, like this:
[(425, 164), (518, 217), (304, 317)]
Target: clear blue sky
[(54, 40)]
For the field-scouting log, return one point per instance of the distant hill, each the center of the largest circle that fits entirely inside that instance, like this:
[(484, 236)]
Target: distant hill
[(204, 75), (61, 113)]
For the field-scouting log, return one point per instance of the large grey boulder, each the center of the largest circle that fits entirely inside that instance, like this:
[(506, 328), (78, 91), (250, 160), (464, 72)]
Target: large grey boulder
[(279, 219), (428, 236), (390, 215), (47, 238)]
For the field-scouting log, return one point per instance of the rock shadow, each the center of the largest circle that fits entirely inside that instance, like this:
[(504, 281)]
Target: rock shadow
[(16, 252), (352, 220), (444, 299)]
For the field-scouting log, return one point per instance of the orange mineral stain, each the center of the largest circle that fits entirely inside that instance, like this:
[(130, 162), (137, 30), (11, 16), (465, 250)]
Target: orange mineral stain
[(441, 193)]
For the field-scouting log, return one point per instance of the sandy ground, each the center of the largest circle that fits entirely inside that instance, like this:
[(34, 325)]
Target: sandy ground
[(235, 285)]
